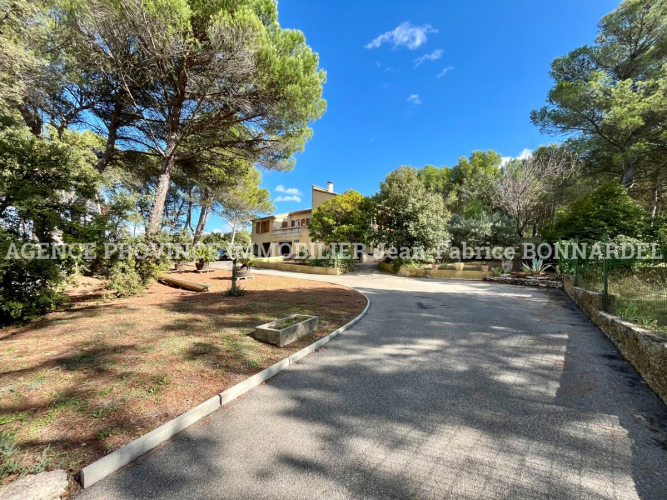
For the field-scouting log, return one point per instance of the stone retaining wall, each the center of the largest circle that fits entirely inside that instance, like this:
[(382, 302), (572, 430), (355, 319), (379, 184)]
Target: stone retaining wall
[(298, 268), (525, 282), (425, 272), (645, 350)]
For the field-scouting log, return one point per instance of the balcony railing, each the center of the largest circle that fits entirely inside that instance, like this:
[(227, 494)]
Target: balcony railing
[(286, 231)]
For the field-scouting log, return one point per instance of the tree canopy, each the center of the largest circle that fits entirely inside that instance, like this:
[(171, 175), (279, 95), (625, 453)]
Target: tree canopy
[(216, 81), (407, 214), (607, 211), (347, 218), (610, 98)]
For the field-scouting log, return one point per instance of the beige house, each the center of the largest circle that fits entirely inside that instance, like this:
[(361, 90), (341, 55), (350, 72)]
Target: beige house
[(285, 230)]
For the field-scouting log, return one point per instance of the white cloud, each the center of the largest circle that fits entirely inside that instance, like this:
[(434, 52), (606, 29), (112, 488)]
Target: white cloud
[(433, 56), (289, 198), (414, 99), (283, 189), (405, 34), (445, 71), (524, 154)]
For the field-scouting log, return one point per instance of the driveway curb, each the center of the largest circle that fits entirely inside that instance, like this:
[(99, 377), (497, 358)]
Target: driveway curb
[(109, 464)]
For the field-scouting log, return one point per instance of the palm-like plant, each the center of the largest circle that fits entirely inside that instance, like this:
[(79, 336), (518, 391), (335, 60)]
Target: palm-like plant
[(537, 266)]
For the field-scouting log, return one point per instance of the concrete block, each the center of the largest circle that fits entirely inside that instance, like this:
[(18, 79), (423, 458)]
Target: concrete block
[(269, 332), (312, 347)]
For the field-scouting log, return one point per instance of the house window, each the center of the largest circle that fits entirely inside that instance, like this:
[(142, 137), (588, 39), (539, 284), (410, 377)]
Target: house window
[(307, 222), (264, 227), (284, 224), (257, 227), (298, 223)]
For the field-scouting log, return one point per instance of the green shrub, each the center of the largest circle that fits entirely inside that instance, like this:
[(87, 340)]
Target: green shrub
[(236, 291), (335, 261), (397, 263), (128, 276), (640, 313), (324, 262), (481, 229), (9, 460), (30, 287), (123, 279), (608, 210)]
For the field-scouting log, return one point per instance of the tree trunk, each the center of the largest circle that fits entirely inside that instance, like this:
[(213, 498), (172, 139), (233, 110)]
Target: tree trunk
[(109, 149), (203, 217), (232, 291), (656, 202), (188, 218), (112, 136), (629, 171), (233, 232), (32, 120), (177, 215), (155, 219)]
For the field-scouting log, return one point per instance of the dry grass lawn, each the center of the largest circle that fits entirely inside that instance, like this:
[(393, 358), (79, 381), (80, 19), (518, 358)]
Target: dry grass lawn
[(77, 384)]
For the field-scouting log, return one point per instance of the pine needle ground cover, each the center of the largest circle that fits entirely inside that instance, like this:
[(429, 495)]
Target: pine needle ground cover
[(80, 383)]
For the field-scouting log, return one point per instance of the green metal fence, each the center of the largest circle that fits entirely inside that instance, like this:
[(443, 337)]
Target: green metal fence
[(639, 288)]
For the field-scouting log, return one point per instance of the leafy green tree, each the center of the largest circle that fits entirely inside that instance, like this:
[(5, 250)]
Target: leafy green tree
[(39, 177), (608, 210), (464, 186), (438, 180), (36, 174), (481, 229), (407, 214), (21, 22), (611, 98), (223, 79), (344, 219)]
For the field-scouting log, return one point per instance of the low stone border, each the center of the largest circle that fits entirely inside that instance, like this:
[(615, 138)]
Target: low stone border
[(298, 268), (646, 351), (425, 272), (122, 456), (525, 282)]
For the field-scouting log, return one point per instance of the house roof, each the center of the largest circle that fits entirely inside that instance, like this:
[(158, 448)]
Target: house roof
[(318, 188), (287, 214)]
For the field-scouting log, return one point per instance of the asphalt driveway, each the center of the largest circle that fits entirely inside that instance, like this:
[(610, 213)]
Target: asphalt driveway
[(445, 389)]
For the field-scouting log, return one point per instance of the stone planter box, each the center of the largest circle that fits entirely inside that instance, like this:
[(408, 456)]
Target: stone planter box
[(413, 272), (298, 268), (281, 337), (510, 280)]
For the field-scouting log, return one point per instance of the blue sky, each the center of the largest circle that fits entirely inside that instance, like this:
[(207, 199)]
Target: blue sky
[(424, 82)]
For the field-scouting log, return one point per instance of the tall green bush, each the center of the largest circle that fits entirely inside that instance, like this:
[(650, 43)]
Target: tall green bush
[(608, 210), (481, 229)]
